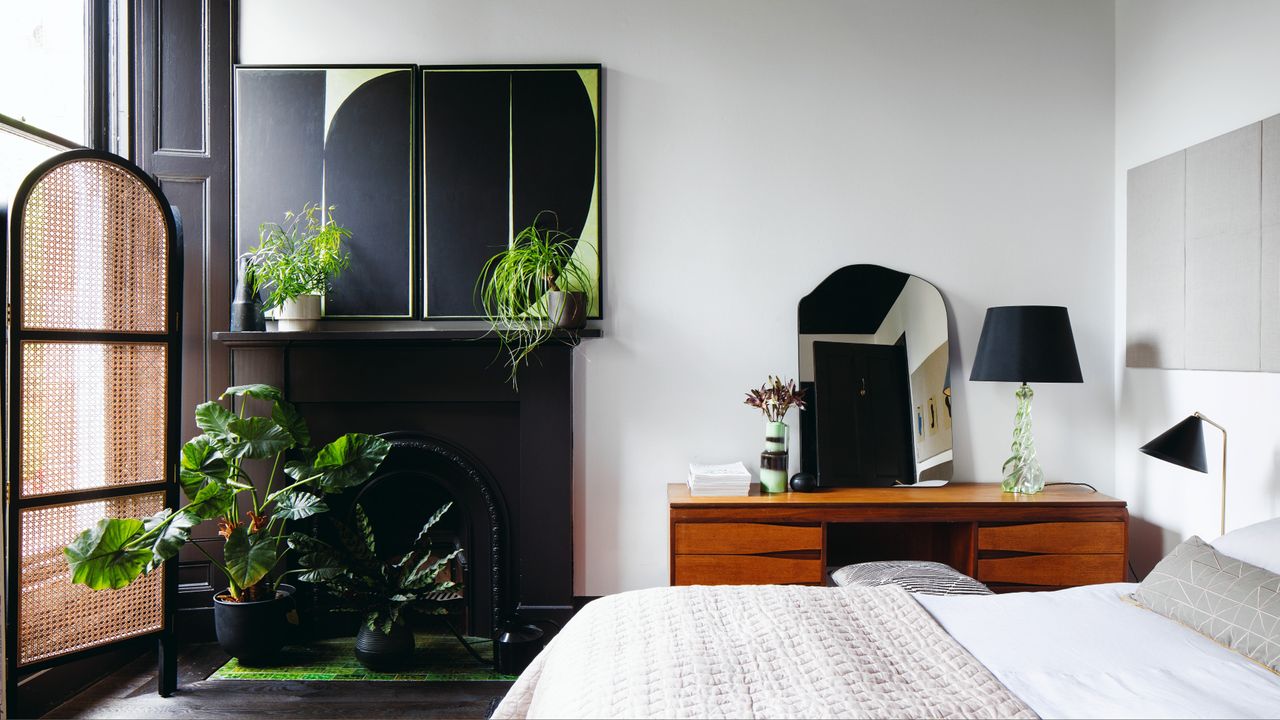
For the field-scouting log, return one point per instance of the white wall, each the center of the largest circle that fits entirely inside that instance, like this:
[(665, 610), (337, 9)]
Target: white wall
[(1187, 71), (753, 147)]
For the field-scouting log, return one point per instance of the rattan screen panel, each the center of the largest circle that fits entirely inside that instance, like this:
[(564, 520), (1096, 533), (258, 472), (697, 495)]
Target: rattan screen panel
[(56, 617), (94, 252), (93, 416)]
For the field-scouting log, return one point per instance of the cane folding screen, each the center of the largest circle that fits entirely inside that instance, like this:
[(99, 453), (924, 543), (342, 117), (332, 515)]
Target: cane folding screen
[(93, 336)]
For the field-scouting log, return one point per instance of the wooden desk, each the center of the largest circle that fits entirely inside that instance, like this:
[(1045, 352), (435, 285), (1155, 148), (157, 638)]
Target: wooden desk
[(1062, 537)]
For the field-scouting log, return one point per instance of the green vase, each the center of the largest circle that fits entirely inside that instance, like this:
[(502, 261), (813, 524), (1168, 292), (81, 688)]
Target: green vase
[(773, 461)]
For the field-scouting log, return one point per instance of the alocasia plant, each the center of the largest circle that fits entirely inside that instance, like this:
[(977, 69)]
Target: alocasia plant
[(115, 552)]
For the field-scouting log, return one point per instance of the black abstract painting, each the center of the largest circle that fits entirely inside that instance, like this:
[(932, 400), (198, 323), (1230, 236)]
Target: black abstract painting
[(344, 137), (500, 145)]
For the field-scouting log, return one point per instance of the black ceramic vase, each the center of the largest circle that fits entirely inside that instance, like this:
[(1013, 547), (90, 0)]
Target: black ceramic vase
[(246, 307), (384, 652), (253, 632)]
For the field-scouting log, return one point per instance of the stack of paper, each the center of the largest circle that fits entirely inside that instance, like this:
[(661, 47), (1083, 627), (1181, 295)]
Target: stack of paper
[(727, 479)]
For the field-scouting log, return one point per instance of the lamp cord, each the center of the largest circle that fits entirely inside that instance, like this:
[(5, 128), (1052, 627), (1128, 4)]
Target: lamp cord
[(1073, 483)]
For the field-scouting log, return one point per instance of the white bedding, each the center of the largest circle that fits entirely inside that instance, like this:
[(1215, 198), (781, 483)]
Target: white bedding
[(1086, 652)]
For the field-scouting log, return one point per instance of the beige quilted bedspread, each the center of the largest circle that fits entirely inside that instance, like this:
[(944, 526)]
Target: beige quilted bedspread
[(757, 652)]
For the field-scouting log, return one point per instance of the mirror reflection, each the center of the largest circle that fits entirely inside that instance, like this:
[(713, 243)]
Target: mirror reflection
[(874, 358)]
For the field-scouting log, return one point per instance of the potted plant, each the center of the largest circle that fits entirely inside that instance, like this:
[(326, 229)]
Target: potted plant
[(383, 590), (534, 288), (774, 399), (295, 261), (249, 613)]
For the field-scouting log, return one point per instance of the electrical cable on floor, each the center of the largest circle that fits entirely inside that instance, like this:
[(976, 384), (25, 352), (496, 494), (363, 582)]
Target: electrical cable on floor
[(1073, 483)]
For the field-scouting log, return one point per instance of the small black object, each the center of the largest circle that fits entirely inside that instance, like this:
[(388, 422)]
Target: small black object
[(804, 482), (246, 306), (516, 647)]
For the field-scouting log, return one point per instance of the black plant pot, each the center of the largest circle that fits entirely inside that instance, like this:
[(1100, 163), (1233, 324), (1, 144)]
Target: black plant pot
[(568, 310), (253, 632), (384, 652)]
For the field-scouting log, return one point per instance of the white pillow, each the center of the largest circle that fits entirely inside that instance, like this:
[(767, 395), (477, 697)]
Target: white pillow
[(1257, 544)]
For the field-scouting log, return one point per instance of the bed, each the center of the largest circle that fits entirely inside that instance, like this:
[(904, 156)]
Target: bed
[(778, 651)]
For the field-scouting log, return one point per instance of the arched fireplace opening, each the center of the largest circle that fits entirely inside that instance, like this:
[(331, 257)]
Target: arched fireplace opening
[(418, 477)]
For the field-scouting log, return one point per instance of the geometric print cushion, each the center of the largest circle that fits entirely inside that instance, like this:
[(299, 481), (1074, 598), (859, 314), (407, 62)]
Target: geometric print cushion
[(1230, 601), (914, 576)]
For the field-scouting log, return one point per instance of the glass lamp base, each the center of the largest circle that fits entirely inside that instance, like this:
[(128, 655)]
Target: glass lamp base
[(1022, 473)]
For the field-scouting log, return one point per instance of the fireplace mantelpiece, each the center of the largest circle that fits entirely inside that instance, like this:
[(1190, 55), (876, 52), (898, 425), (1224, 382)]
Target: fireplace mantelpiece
[(444, 384)]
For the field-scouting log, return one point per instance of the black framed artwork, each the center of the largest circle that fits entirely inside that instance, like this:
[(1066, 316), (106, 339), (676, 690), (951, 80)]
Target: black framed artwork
[(342, 136), (500, 145)]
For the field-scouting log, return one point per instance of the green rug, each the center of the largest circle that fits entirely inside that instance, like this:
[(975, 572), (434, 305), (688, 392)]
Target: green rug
[(437, 658)]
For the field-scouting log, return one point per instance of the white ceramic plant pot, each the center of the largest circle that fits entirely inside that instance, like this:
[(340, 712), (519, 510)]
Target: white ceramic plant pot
[(300, 314)]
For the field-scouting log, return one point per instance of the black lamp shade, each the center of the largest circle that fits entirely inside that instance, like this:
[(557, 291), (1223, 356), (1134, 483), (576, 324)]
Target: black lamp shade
[(1182, 444), (1027, 343)]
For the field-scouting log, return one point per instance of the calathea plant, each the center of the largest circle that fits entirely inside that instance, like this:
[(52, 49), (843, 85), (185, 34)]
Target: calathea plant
[(380, 589), (115, 552)]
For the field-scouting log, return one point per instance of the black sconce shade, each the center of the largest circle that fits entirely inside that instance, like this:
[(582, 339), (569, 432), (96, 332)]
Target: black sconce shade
[(1182, 445), (1027, 343)]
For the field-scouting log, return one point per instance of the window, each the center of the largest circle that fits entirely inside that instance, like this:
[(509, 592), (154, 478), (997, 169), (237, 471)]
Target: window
[(65, 83)]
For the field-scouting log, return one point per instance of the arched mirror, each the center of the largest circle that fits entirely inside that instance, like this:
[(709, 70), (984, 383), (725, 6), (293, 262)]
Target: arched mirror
[(874, 360)]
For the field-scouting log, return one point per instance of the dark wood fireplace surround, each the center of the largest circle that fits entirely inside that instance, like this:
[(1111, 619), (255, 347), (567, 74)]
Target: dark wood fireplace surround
[(443, 398)]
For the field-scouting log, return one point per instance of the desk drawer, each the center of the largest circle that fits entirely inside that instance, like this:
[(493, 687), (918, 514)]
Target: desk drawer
[(1078, 538), (732, 538), (746, 570), (1067, 570)]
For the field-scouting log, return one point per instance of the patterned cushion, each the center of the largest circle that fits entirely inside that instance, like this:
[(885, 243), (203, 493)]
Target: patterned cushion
[(1230, 601), (917, 576)]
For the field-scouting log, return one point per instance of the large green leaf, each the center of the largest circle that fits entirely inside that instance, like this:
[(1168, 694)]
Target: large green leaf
[(99, 558), (210, 502), (287, 416), (212, 418), (201, 463), (171, 538), (256, 438), (296, 505), (249, 557), (350, 460), (256, 390)]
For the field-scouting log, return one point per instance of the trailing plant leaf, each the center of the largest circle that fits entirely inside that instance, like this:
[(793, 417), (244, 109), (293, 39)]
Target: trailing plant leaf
[(513, 285), (255, 390), (350, 460), (297, 505), (104, 556), (287, 416), (212, 418), (256, 438), (249, 556)]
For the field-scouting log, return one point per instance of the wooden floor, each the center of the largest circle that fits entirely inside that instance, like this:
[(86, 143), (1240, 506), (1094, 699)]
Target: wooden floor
[(131, 693)]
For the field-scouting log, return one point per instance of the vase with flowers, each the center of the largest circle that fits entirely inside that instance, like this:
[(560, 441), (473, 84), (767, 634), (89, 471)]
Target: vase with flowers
[(774, 399)]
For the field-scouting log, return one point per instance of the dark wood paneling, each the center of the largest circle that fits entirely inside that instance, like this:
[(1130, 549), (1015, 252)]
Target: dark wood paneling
[(183, 53), (180, 81)]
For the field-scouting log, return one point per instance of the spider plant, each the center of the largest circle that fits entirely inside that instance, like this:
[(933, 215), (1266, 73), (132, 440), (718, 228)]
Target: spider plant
[(514, 287)]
